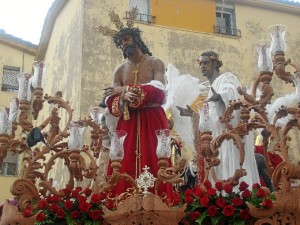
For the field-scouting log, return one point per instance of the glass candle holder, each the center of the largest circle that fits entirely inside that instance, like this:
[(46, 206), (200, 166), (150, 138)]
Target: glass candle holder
[(95, 114), (4, 121), (13, 108), (24, 92), (37, 77), (117, 137), (263, 48), (204, 120), (277, 33), (163, 149), (76, 135)]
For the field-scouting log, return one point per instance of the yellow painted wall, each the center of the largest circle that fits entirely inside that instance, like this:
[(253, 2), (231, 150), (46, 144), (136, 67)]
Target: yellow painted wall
[(10, 56), (185, 14), (6, 183)]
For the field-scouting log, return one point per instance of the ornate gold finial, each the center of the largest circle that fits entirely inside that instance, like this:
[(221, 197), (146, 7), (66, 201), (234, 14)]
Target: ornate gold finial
[(132, 16), (104, 30), (116, 20), (170, 118)]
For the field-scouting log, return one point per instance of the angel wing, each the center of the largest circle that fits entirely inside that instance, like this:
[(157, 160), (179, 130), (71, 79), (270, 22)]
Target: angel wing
[(289, 100), (182, 90)]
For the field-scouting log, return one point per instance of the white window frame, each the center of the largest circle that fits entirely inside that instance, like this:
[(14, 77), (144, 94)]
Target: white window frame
[(228, 9)]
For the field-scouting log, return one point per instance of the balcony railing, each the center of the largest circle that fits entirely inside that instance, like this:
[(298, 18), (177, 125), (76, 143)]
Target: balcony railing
[(227, 31), (142, 18)]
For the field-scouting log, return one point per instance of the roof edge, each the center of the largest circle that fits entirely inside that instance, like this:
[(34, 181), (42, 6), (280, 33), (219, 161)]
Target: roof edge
[(20, 46), (272, 4), (49, 22)]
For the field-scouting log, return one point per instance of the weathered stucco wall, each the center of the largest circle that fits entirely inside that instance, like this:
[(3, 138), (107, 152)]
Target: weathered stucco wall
[(64, 56), (64, 69)]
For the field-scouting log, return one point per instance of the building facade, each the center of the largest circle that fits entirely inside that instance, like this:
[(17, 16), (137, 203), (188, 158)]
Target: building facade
[(16, 56)]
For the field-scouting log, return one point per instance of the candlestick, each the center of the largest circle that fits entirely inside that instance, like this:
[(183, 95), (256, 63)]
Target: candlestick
[(263, 48), (24, 92), (277, 33)]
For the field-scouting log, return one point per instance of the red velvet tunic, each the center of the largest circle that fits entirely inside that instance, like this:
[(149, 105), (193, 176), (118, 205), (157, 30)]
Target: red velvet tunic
[(146, 117)]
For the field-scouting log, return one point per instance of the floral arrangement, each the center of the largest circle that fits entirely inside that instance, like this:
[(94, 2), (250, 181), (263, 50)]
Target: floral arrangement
[(77, 206), (212, 205)]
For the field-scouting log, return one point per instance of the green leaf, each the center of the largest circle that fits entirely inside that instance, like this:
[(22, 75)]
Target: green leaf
[(239, 222), (201, 218), (214, 220)]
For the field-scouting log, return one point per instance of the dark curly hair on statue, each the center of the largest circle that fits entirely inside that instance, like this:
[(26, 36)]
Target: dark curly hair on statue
[(213, 56), (135, 33)]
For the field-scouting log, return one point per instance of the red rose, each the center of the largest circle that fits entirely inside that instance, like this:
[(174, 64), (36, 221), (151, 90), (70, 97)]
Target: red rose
[(96, 198), (246, 193), (220, 202), (68, 204), (75, 214), (243, 186), (207, 184), (211, 191), (95, 214), (199, 192), (228, 210), (219, 186), (212, 211), (40, 217), (237, 201), (189, 200), (43, 204), (176, 199), (75, 194), (55, 198), (256, 186), (267, 203), (27, 213), (260, 193), (204, 201), (84, 207), (78, 189), (81, 198), (60, 213), (228, 188), (66, 191), (109, 204), (195, 215), (244, 214), (53, 207), (188, 192), (88, 192), (102, 196)]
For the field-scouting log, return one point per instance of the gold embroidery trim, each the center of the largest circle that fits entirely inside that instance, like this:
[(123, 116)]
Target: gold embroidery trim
[(138, 166), (115, 106)]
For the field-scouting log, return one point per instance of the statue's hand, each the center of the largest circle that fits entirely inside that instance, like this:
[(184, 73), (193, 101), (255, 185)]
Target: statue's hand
[(215, 96), (130, 97), (111, 91), (185, 111)]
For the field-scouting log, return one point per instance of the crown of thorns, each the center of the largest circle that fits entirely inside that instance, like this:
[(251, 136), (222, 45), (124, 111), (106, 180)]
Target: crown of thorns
[(106, 31)]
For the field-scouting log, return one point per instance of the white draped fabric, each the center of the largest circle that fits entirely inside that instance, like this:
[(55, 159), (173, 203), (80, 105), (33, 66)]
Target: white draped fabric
[(226, 85)]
